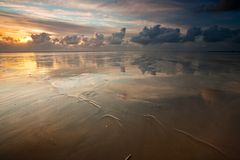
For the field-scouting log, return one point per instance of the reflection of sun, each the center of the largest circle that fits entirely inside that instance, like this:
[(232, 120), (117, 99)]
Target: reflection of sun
[(22, 63), (29, 64)]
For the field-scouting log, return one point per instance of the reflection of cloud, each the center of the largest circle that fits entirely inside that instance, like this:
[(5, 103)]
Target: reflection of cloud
[(233, 86), (140, 89), (122, 68), (212, 96), (44, 61), (152, 63)]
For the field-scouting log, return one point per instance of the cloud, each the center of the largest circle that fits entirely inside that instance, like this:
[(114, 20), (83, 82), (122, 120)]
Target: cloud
[(40, 38), (192, 33), (157, 34), (20, 23), (97, 15), (236, 37), (117, 37), (222, 5), (76, 40), (71, 40), (213, 34), (228, 5), (40, 42), (219, 37), (8, 39), (97, 40), (48, 42), (217, 34)]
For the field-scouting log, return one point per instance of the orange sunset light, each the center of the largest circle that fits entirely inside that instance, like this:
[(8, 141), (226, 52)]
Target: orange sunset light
[(25, 39), (15, 35), (15, 39)]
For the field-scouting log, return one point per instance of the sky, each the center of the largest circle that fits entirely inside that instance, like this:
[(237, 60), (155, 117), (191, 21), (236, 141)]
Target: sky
[(64, 25)]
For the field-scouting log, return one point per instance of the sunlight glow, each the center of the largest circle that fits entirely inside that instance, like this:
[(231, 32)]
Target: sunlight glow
[(25, 39)]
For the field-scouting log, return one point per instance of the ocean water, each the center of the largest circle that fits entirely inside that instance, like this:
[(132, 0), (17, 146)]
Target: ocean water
[(119, 105)]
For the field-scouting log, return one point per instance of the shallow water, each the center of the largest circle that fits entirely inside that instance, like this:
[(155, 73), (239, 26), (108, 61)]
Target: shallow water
[(109, 105)]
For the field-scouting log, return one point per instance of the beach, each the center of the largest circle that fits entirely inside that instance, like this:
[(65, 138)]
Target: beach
[(119, 105)]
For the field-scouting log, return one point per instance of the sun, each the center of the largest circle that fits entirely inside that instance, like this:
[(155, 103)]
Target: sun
[(25, 39)]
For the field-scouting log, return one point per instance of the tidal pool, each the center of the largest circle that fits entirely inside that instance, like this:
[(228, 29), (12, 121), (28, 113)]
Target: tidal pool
[(119, 105)]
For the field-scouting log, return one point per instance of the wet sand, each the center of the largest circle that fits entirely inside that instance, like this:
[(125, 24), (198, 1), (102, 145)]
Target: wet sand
[(116, 106)]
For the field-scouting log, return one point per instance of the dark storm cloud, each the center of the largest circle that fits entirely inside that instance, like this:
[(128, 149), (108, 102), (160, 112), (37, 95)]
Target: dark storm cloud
[(222, 5), (217, 34), (192, 33), (178, 13), (228, 5), (157, 34)]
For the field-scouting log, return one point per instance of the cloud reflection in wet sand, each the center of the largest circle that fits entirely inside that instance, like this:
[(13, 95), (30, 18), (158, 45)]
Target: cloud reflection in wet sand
[(92, 105)]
